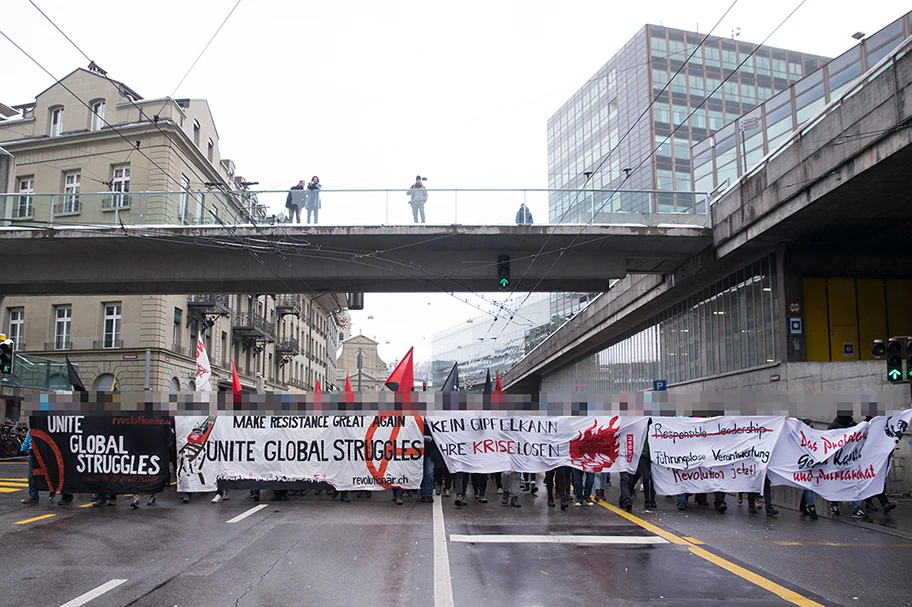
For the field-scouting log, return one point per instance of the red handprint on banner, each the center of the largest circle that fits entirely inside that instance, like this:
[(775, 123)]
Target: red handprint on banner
[(596, 448)]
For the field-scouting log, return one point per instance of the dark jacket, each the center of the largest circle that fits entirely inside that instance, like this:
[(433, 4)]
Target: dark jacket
[(523, 216), (841, 421), (295, 197)]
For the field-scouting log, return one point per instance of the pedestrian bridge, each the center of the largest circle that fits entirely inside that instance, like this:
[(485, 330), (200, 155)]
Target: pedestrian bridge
[(218, 242)]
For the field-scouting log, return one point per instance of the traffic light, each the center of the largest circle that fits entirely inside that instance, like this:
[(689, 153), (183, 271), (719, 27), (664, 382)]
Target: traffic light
[(503, 271), (424, 386), (7, 351), (909, 358), (894, 360), (879, 349)]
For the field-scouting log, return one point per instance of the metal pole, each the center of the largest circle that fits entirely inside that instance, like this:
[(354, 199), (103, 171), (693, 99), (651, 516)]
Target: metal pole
[(147, 385), (455, 206), (360, 362), (387, 208)]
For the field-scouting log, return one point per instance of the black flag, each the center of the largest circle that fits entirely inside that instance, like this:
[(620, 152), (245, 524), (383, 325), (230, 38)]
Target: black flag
[(74, 377), (452, 381), (488, 389)]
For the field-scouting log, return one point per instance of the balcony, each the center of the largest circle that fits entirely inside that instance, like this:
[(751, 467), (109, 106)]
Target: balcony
[(55, 345), (108, 343), (179, 349), (251, 324), (287, 349), (288, 304), (209, 303)]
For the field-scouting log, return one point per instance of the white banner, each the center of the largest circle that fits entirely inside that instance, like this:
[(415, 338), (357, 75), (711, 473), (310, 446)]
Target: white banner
[(203, 370), (490, 443), (350, 452), (839, 465), (709, 454)]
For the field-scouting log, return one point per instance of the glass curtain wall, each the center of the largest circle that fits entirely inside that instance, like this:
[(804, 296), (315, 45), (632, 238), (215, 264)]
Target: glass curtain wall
[(731, 326)]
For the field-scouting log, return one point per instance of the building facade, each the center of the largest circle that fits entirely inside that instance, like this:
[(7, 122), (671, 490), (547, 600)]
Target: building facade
[(368, 376), (614, 128), (483, 343), (89, 150)]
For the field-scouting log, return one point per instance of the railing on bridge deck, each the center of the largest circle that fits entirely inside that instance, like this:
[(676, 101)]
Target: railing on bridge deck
[(650, 208), (806, 129)]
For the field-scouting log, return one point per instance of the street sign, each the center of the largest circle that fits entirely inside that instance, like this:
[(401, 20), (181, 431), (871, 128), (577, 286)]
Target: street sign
[(794, 307), (848, 349), (659, 385), (796, 326)]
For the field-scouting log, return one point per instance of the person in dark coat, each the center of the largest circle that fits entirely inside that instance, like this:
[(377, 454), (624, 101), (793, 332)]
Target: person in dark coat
[(294, 202), (523, 216)]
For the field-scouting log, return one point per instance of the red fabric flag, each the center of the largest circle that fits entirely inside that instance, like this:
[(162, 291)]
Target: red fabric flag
[(318, 389), (235, 380), (402, 379), (498, 387), (349, 393)]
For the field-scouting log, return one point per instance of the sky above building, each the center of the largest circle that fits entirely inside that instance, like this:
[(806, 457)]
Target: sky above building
[(368, 94)]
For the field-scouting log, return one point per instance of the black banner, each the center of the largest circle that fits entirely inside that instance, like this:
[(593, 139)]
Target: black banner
[(101, 453)]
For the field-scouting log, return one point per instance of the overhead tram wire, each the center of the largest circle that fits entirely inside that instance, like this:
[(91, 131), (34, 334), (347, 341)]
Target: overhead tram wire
[(604, 160), (111, 126), (198, 57), (651, 154), (142, 113)]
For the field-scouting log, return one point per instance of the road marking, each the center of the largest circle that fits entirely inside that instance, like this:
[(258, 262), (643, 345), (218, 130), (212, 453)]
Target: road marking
[(93, 594), (14, 463), (781, 591), (89, 505), (10, 490), (14, 480), (443, 584), (559, 539), (244, 515), (693, 540), (14, 483), (33, 519)]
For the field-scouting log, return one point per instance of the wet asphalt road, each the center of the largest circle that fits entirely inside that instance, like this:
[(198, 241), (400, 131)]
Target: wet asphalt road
[(316, 551)]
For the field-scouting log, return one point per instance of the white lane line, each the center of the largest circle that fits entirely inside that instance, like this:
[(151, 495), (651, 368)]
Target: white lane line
[(443, 585), (244, 515), (559, 539), (93, 594)]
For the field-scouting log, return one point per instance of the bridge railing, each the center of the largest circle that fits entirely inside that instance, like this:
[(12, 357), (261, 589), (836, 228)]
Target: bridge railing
[(648, 208)]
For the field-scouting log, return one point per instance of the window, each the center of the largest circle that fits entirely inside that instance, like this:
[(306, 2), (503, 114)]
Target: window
[(112, 326), (64, 315), (120, 184), (196, 132), (98, 111), (56, 121), (71, 192), (176, 329), (16, 327), (24, 203), (209, 150)]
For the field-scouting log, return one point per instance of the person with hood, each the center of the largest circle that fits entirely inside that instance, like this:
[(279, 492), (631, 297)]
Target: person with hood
[(523, 216)]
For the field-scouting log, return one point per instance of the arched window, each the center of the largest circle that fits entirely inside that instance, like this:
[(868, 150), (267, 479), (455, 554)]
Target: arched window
[(175, 385), (56, 119), (104, 383)]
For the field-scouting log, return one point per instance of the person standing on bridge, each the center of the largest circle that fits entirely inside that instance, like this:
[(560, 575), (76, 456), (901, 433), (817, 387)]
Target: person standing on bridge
[(295, 201), (523, 216), (312, 199), (418, 195)]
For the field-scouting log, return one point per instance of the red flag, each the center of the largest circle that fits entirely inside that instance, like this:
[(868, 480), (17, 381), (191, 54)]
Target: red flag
[(235, 380), (402, 379), (318, 389), (498, 388), (349, 393)]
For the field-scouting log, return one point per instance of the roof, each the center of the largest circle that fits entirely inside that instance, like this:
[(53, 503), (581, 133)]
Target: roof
[(4, 153), (124, 90), (362, 338)]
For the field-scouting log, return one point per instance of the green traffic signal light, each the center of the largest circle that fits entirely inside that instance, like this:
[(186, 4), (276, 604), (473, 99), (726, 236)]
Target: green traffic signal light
[(6, 357), (894, 360), (503, 271)]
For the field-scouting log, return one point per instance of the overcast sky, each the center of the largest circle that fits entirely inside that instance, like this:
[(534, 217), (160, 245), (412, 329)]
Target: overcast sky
[(367, 94)]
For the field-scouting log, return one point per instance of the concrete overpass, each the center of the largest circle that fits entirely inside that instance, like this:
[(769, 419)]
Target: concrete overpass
[(294, 258), (835, 198)]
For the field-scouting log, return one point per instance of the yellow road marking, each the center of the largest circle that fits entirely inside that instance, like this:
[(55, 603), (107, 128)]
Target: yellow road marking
[(693, 540), (10, 490), (14, 483), (16, 463), (781, 591), (32, 520), (17, 480), (89, 505)]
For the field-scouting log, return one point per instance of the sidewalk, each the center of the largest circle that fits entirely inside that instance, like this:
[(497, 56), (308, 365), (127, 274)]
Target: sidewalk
[(898, 522)]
